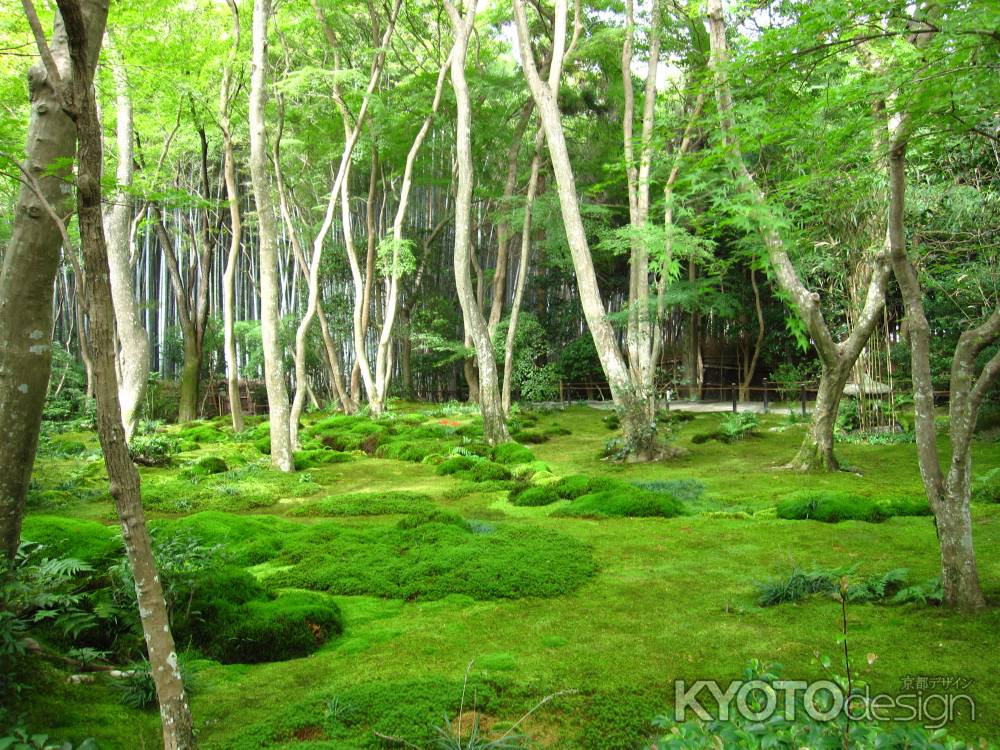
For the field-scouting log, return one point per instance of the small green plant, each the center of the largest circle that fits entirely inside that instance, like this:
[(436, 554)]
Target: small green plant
[(154, 449)]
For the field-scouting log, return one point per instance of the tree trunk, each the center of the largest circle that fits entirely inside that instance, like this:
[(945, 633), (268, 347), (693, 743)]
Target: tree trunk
[(30, 263), (235, 229), (494, 425), (133, 354), (270, 319), (816, 451), (630, 400), (522, 274), (123, 477), (190, 379), (838, 357), (751, 367)]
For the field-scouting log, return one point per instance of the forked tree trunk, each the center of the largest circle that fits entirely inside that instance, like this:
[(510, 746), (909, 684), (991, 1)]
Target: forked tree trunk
[(837, 358), (494, 424), (30, 263), (816, 451), (133, 353), (270, 318), (948, 494), (236, 231), (123, 477)]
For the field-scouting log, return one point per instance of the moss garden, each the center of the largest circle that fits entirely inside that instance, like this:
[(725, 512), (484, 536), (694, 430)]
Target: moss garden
[(408, 576)]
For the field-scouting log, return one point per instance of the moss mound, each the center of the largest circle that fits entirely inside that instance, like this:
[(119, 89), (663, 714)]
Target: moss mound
[(310, 459), (89, 541), (201, 433), (474, 468), (206, 466), (534, 496), (431, 557), (366, 504), (609, 498), (512, 453), (248, 487), (830, 507)]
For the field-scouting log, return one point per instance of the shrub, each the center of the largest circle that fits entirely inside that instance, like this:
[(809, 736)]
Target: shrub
[(137, 690), (830, 507), (263, 444), (908, 506), (620, 499), (512, 453), (880, 587), (534, 496), (738, 426), (529, 470), (408, 449)]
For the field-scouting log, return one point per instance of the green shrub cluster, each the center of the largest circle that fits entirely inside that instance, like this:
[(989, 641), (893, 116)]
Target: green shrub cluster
[(310, 459), (154, 449), (510, 454), (732, 428), (366, 504)]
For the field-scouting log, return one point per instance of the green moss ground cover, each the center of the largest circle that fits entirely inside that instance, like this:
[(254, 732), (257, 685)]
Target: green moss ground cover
[(611, 605)]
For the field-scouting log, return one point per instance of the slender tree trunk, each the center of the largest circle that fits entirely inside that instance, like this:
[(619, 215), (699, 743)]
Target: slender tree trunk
[(494, 425), (522, 274), (30, 263), (751, 367), (633, 405), (235, 229), (274, 369), (124, 479), (133, 354)]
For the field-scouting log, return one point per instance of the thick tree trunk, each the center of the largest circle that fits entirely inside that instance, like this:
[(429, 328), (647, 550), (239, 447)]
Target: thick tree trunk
[(235, 230), (816, 451), (124, 479), (133, 354), (274, 369), (494, 425), (190, 381), (30, 262)]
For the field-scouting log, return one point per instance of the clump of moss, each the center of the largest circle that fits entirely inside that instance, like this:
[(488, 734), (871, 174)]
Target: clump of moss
[(571, 487), (206, 466), (310, 459), (89, 541), (830, 506), (510, 454), (530, 436), (455, 464), (430, 556), (609, 497), (201, 433), (534, 496), (245, 488), (366, 504), (529, 470)]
